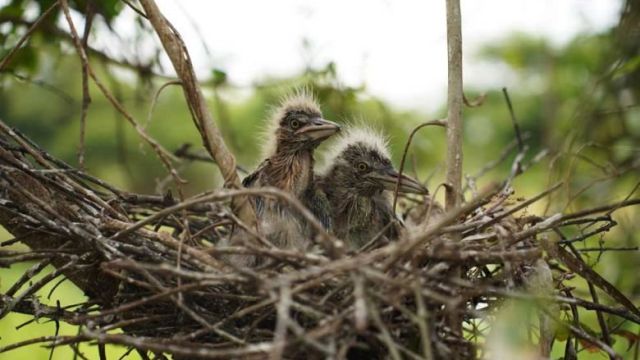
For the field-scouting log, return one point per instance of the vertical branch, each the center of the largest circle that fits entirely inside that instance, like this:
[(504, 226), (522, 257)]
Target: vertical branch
[(455, 101), (86, 96), (211, 136)]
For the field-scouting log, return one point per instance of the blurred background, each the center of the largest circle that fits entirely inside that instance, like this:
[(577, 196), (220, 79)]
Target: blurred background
[(572, 69)]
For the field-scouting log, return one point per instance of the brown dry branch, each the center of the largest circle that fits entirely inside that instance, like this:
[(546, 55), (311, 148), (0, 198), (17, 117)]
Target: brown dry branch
[(455, 102)]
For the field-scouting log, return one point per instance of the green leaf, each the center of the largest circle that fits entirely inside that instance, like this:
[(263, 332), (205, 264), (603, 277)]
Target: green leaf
[(219, 77)]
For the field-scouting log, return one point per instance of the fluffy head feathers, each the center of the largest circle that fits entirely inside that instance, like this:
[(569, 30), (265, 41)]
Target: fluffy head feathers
[(364, 137), (302, 101)]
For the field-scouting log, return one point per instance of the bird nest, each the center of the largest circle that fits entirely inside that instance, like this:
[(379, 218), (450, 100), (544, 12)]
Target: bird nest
[(157, 281)]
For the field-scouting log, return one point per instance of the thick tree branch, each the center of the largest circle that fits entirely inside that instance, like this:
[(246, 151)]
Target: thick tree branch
[(455, 102), (211, 136)]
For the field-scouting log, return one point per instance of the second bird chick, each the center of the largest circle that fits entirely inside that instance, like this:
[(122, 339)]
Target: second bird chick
[(359, 184)]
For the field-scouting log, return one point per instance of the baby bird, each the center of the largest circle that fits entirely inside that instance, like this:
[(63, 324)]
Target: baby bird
[(297, 130), (359, 184)]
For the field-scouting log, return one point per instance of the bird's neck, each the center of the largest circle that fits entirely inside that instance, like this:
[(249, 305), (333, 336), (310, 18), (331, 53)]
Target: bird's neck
[(348, 203), (291, 172), (357, 218), (346, 200)]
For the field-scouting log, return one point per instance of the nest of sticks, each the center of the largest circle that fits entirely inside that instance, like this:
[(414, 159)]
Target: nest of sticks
[(151, 268)]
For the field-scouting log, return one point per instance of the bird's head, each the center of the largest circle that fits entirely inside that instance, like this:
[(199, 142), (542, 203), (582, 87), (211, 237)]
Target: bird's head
[(299, 124), (361, 163)]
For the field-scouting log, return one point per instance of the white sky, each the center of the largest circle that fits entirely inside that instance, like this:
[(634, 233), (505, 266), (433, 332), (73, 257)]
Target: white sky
[(396, 47)]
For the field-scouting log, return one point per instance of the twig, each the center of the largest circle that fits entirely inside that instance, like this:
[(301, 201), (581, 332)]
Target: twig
[(606, 337), (514, 122), (86, 97), (32, 27), (406, 150)]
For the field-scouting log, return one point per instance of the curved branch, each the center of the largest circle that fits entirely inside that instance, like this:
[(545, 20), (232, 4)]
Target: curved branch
[(211, 136)]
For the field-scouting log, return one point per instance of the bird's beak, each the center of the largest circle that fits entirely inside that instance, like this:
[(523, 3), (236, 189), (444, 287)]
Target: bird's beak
[(319, 129), (389, 178)]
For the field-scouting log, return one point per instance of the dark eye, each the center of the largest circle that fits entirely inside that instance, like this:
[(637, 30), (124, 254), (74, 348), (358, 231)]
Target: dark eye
[(294, 124), (362, 166)]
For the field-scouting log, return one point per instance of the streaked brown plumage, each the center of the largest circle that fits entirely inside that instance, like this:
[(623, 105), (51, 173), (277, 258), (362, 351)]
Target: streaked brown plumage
[(298, 129)]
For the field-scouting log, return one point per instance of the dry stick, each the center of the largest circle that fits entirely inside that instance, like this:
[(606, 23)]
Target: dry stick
[(516, 127), (211, 136), (177, 300), (280, 333), (404, 155), (401, 248), (184, 153), (569, 349), (635, 188), (386, 336), (105, 58), (211, 263), (32, 28), (520, 206), (599, 209), (423, 319), (606, 337), (165, 156), (331, 244), (32, 306), (27, 275), (152, 107), (36, 286), (579, 332), (494, 163), (41, 339), (454, 130), (603, 249), (86, 96), (188, 351), (63, 166), (581, 268)]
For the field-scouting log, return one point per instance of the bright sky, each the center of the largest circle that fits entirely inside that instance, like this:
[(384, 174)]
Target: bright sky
[(396, 47)]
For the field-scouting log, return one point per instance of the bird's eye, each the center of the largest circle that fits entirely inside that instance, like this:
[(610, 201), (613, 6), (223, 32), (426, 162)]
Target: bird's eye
[(295, 124), (362, 166)]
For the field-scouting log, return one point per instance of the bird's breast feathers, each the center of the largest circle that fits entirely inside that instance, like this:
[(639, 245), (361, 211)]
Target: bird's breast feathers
[(292, 174)]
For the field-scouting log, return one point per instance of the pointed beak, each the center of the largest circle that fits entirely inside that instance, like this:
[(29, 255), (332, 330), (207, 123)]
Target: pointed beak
[(319, 129), (389, 179)]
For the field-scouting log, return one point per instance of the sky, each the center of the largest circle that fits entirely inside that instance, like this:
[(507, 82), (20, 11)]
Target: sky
[(397, 48)]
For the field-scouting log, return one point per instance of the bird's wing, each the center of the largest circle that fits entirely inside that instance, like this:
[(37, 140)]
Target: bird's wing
[(317, 201), (250, 180)]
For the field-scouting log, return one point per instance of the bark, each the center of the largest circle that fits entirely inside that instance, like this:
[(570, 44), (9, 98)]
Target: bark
[(455, 101)]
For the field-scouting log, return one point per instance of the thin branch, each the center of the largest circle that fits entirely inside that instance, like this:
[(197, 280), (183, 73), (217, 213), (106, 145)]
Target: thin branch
[(86, 96), (514, 122), (32, 27), (406, 150)]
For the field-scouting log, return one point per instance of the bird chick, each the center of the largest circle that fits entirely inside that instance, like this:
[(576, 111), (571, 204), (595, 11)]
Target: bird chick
[(359, 183), (297, 130)]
